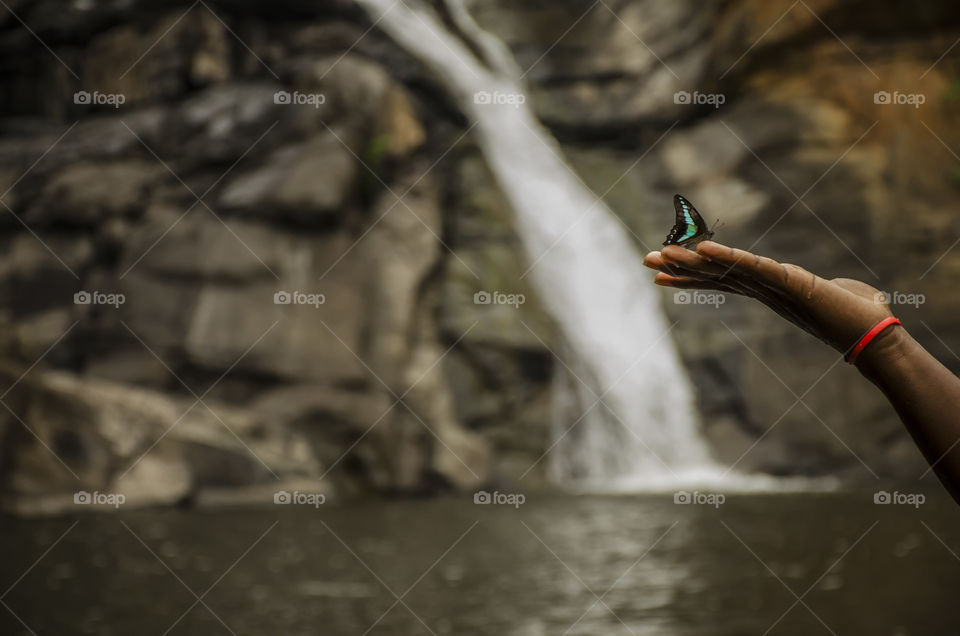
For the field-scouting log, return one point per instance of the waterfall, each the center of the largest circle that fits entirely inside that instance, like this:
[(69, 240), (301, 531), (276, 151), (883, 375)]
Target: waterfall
[(640, 430)]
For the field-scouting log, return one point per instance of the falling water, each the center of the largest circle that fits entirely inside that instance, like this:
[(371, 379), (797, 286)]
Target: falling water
[(640, 428)]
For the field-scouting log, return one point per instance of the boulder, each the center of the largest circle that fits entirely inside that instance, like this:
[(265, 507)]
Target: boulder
[(197, 243), (308, 183), (87, 193), (82, 435), (229, 121)]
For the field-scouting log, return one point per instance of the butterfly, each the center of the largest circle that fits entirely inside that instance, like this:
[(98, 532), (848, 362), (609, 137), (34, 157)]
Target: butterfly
[(689, 228)]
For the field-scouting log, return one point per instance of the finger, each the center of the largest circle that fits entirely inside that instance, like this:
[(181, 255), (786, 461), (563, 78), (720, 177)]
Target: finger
[(747, 285), (655, 260), (743, 262), (731, 287), (733, 282), (689, 282), (680, 262), (677, 270), (683, 262), (679, 257), (687, 262)]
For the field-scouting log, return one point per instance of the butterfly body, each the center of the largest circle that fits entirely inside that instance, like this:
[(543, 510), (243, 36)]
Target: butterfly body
[(689, 228)]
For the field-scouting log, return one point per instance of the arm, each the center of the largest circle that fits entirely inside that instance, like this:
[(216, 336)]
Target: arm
[(925, 394)]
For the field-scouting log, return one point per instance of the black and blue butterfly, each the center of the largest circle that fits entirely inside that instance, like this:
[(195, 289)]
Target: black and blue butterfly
[(689, 228)]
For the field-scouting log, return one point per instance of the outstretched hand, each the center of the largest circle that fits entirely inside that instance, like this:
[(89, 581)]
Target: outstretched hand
[(837, 311)]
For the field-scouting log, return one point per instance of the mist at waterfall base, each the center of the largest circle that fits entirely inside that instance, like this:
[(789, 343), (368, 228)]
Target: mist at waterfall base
[(626, 419)]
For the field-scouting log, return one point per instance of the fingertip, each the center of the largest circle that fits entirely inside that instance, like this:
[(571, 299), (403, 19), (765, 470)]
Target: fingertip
[(651, 259), (664, 280)]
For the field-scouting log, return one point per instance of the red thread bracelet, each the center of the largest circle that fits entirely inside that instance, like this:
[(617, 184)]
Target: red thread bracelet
[(869, 336)]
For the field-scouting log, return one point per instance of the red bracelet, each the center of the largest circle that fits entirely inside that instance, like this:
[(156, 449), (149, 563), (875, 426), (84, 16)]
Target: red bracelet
[(869, 336)]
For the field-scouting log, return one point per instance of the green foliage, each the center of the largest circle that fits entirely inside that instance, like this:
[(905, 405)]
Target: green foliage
[(375, 151), (374, 156)]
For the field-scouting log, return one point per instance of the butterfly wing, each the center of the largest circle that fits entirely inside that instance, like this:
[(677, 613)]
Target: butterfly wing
[(689, 226)]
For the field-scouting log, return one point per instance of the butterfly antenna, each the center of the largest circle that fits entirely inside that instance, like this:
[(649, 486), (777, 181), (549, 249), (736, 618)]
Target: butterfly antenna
[(716, 225)]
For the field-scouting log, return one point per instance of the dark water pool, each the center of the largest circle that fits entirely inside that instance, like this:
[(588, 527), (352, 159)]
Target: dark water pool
[(758, 564)]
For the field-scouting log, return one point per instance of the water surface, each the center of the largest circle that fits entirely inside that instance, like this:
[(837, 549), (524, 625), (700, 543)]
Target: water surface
[(555, 565)]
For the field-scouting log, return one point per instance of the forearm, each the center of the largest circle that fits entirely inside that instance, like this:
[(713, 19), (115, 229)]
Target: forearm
[(925, 394)]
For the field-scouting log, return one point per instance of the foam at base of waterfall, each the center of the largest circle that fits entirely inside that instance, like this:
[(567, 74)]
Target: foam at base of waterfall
[(708, 480)]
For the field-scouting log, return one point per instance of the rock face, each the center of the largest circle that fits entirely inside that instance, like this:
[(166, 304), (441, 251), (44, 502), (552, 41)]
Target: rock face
[(281, 227), (260, 244)]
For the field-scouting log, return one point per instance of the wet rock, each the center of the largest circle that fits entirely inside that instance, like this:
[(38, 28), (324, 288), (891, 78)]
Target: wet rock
[(308, 182), (86, 193)]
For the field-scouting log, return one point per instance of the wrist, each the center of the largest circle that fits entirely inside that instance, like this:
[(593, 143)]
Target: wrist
[(885, 352)]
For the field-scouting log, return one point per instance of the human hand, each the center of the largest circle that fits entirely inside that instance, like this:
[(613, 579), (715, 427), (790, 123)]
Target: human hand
[(837, 311)]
